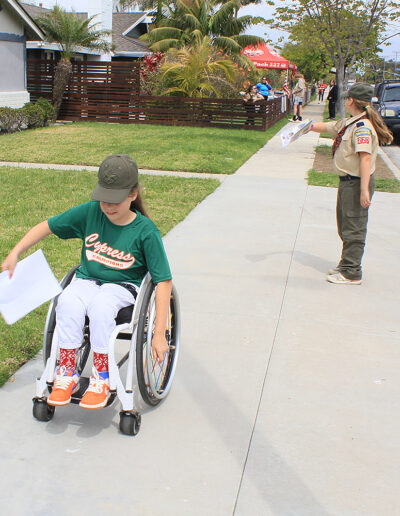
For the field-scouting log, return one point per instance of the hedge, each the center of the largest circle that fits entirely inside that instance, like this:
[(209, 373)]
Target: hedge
[(30, 116)]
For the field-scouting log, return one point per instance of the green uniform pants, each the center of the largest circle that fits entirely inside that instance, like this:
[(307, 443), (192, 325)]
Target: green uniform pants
[(352, 221)]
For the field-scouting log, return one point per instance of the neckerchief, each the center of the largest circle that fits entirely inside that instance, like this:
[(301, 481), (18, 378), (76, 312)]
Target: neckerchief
[(340, 134)]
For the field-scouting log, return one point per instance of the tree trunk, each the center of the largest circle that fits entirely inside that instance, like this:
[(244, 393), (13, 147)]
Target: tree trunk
[(341, 84), (61, 78)]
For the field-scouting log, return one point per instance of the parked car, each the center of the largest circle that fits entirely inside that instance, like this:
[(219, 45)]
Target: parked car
[(387, 103)]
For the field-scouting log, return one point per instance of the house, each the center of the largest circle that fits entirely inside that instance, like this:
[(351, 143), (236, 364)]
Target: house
[(16, 27), (126, 28)]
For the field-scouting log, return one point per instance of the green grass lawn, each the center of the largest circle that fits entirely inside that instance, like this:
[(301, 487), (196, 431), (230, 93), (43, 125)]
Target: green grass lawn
[(194, 149), (29, 196), (316, 178)]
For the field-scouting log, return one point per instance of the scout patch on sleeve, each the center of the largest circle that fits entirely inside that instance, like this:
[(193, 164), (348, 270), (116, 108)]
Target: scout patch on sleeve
[(362, 136)]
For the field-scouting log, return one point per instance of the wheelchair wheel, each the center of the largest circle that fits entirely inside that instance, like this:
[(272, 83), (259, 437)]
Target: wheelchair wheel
[(84, 349), (155, 379), (129, 423), (41, 411)]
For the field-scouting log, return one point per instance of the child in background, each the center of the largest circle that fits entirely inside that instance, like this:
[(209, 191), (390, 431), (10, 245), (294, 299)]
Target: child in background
[(250, 97), (120, 245)]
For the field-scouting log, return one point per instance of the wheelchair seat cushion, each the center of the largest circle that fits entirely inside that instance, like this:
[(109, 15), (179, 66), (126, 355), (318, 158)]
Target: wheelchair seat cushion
[(124, 315)]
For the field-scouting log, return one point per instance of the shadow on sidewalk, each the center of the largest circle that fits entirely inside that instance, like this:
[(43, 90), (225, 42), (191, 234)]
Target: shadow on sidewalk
[(295, 497)]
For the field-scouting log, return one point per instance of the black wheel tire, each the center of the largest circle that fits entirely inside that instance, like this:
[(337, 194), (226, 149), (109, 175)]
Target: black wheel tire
[(129, 424), (42, 411)]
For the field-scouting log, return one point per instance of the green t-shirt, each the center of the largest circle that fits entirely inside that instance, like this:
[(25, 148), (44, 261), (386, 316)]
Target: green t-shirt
[(113, 253)]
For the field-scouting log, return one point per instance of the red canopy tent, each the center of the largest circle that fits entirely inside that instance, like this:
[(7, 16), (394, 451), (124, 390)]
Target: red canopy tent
[(264, 57)]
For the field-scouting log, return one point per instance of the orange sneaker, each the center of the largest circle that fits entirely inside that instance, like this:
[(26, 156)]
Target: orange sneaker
[(66, 382), (96, 394)]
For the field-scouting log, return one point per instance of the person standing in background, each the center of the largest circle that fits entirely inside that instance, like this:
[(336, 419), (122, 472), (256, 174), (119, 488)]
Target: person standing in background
[(250, 97), (332, 99), (321, 91), (299, 94)]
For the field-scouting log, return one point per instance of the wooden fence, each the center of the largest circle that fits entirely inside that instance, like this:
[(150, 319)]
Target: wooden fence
[(94, 85), (109, 92)]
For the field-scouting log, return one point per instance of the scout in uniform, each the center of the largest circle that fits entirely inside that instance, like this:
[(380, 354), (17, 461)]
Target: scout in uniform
[(354, 155)]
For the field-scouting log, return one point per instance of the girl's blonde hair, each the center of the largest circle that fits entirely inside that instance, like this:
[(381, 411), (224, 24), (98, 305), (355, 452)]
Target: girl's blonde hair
[(384, 135)]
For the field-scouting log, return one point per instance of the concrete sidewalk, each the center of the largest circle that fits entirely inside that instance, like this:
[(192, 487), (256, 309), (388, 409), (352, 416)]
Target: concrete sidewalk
[(285, 400)]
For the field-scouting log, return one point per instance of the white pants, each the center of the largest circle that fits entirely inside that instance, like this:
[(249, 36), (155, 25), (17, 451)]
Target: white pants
[(100, 303)]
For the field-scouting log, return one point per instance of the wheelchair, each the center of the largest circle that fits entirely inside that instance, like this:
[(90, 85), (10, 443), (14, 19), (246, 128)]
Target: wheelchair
[(134, 325)]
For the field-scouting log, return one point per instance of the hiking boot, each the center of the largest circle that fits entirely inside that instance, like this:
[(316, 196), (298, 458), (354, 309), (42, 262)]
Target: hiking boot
[(96, 395), (294, 118), (65, 384), (300, 118), (339, 279)]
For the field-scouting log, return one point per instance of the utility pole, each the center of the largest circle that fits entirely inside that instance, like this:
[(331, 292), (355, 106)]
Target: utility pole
[(395, 61)]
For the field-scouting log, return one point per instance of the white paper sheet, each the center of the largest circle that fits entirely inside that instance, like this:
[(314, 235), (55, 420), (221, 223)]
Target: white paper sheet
[(32, 284), (294, 131)]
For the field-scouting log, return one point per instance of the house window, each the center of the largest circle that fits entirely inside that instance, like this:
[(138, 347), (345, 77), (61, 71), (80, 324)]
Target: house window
[(48, 54)]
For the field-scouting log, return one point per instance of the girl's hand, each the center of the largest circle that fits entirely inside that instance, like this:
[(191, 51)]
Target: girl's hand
[(159, 347), (364, 199), (9, 264)]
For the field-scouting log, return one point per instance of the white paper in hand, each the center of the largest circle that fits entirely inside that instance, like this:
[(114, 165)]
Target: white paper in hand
[(32, 284), (294, 131)]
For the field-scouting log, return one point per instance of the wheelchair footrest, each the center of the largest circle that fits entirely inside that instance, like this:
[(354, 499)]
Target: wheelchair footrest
[(83, 385)]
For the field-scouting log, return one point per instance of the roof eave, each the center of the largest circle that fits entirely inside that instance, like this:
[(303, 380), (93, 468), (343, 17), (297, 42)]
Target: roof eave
[(132, 54), (45, 45), (26, 18), (131, 27)]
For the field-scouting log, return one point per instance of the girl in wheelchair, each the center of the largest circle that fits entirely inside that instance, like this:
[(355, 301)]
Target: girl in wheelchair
[(120, 245)]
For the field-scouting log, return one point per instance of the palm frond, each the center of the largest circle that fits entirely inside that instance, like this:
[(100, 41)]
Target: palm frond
[(70, 31)]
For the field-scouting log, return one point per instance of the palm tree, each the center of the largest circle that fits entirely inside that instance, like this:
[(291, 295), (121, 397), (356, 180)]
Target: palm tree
[(69, 31), (197, 70), (185, 21)]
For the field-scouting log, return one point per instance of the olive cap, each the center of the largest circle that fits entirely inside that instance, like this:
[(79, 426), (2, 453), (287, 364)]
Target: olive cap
[(361, 91), (117, 175)]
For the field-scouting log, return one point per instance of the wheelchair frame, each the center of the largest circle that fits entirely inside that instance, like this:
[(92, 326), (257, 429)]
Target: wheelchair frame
[(153, 380)]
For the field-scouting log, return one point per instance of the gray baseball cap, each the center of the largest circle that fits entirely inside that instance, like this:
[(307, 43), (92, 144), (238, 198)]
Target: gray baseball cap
[(117, 175)]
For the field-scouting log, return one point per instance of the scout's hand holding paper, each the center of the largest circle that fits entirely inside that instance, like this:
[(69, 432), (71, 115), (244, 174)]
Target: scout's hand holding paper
[(295, 131)]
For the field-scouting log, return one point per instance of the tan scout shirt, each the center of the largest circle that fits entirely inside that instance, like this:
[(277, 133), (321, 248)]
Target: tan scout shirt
[(359, 137)]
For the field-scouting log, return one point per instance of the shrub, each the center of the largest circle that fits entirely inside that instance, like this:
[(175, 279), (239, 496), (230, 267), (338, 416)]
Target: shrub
[(30, 116), (34, 114), (47, 108), (12, 120), (150, 74)]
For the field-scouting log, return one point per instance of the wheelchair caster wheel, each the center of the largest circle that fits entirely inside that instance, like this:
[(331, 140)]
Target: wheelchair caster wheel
[(129, 423), (41, 411)]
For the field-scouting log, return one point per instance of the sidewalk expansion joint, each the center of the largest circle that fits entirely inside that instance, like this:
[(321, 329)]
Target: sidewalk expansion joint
[(270, 355)]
